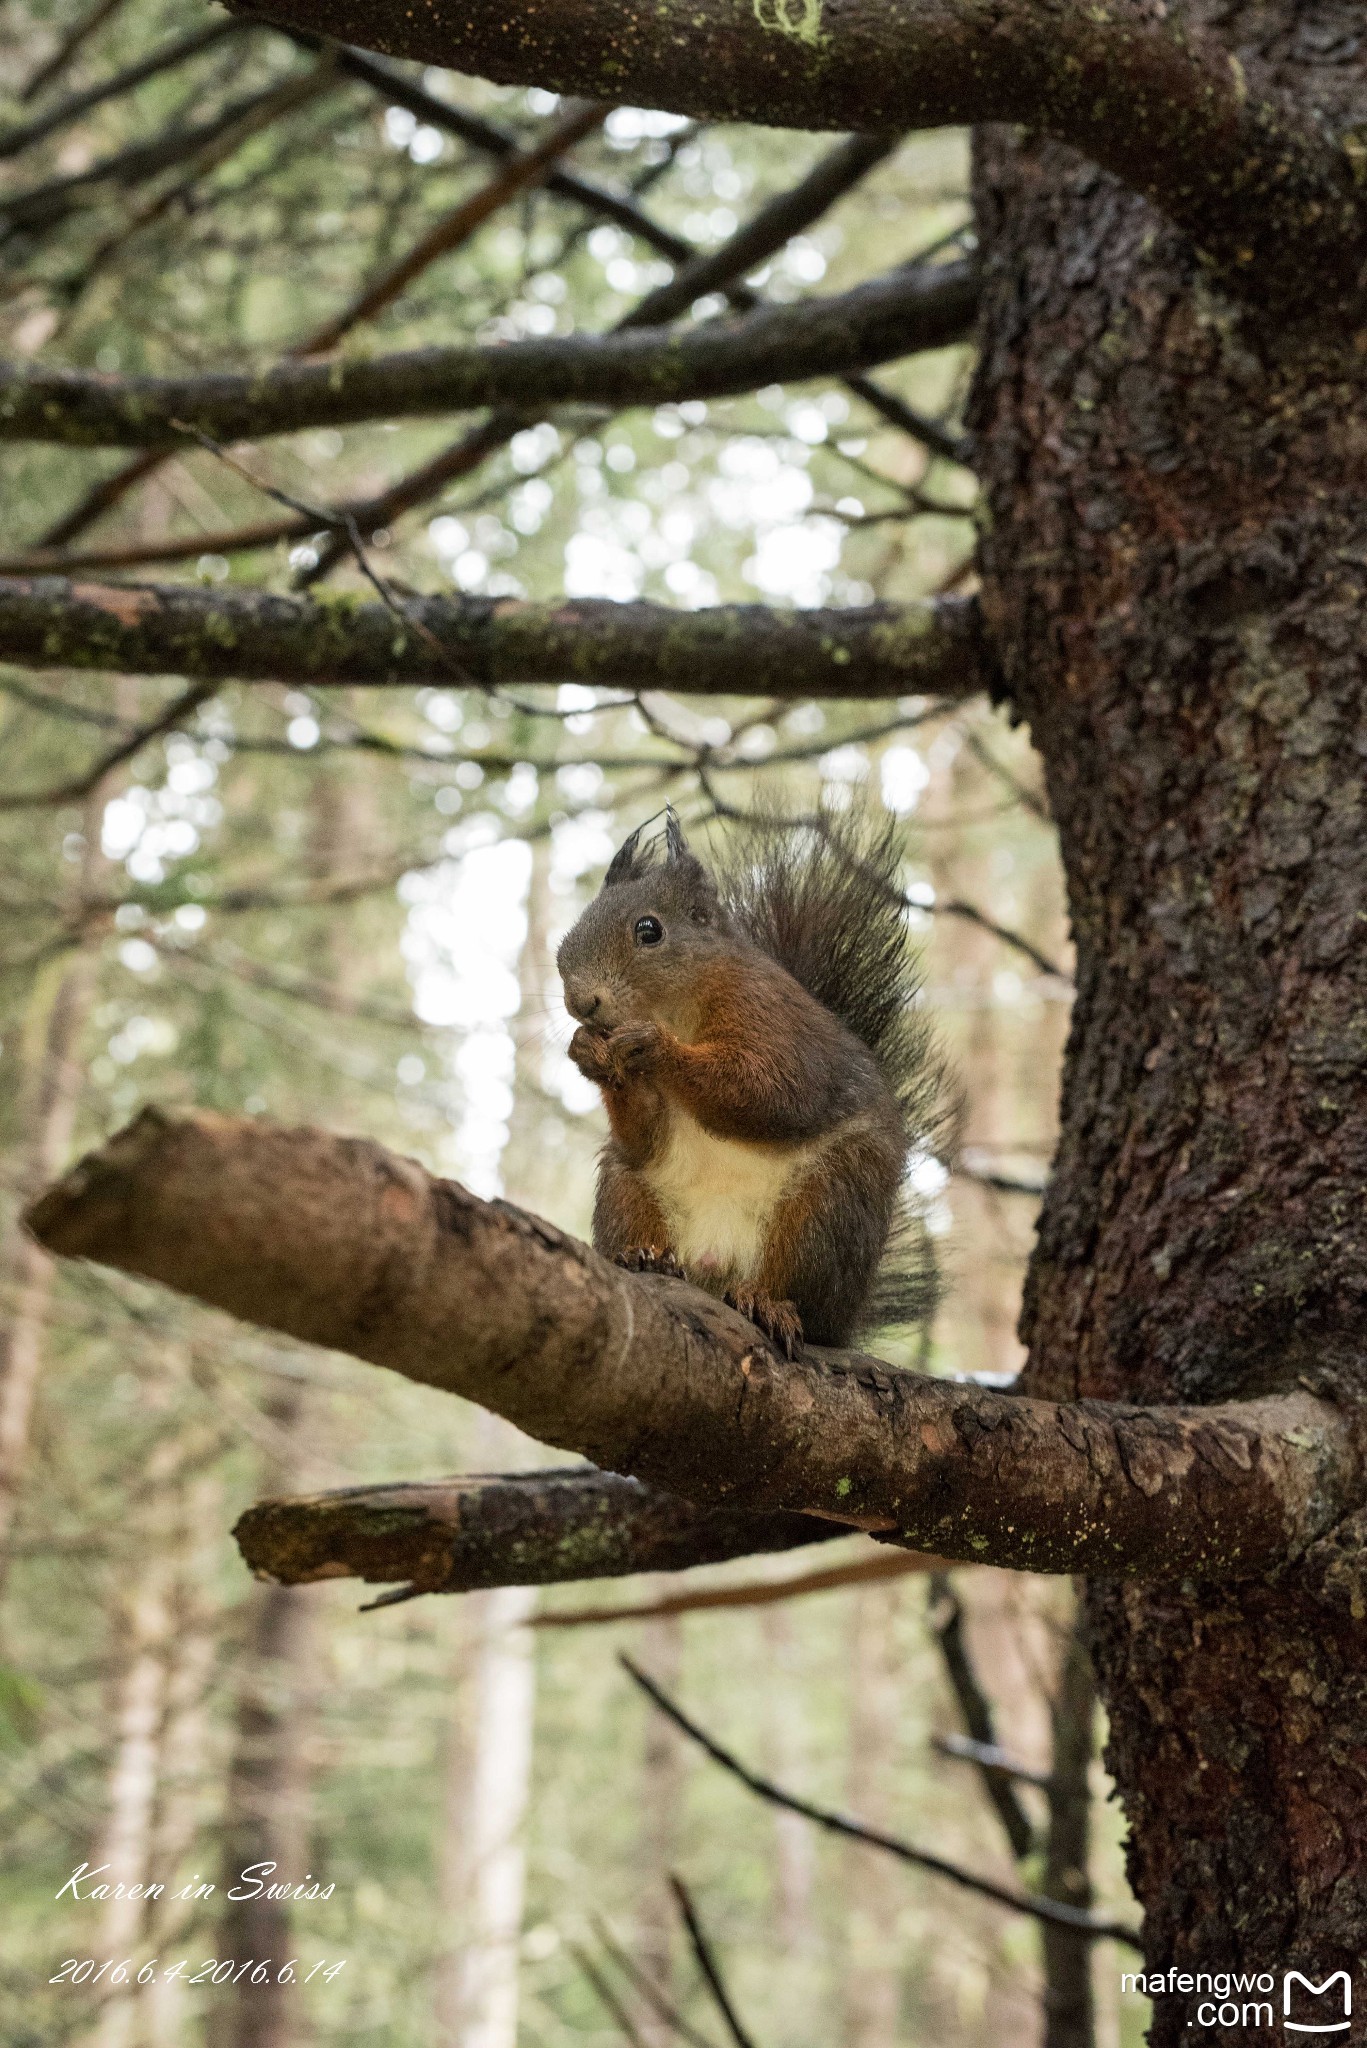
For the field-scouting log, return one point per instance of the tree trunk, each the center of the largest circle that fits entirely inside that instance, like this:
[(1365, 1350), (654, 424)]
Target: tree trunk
[(662, 1786), (60, 1005), (1174, 564), (186, 1778), (794, 1852), (124, 1848), (266, 1817), (484, 1862)]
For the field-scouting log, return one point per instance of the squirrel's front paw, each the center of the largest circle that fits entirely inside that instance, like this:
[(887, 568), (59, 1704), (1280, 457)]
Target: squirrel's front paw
[(632, 1050), (588, 1051), (779, 1320), (649, 1258)]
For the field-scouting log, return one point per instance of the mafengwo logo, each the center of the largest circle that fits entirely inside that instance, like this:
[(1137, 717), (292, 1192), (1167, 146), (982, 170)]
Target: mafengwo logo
[(1237, 2001), (1333, 2002)]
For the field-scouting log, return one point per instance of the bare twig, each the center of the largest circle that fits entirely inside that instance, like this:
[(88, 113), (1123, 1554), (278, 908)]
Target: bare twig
[(853, 1830), (80, 32), (649, 1989), (988, 1757), (626, 2025), (527, 168), (166, 57), (946, 1620), (970, 913), (175, 714), (708, 1964)]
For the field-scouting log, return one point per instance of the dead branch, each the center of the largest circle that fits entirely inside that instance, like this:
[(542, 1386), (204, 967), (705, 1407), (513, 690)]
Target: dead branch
[(176, 713), (534, 1528), (344, 1244)]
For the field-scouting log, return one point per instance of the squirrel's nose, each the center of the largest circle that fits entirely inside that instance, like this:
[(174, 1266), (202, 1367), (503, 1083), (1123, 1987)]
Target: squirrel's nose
[(584, 1000)]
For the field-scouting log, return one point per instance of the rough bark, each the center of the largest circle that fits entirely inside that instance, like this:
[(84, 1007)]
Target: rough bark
[(1174, 571), (343, 1244), (518, 1528), (922, 307), (1187, 118), (935, 646)]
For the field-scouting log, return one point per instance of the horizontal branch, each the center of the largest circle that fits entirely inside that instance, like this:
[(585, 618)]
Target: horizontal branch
[(937, 647), (1170, 111), (504, 1529), (341, 1243), (922, 307)]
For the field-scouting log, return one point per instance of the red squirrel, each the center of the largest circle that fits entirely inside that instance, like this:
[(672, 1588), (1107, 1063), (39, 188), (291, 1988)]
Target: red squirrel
[(765, 1071)]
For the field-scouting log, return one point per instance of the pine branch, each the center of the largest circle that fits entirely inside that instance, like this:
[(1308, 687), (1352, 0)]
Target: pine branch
[(934, 648), (920, 307), (344, 1244), (1173, 112)]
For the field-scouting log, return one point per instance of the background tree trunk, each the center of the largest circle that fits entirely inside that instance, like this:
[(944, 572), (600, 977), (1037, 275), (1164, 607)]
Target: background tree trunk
[(1068, 2002), (485, 1860), (267, 1804), (874, 1887), (53, 1073), (662, 1790), (1174, 566)]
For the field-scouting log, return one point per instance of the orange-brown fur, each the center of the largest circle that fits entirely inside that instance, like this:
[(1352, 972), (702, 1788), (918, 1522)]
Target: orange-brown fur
[(756, 1139)]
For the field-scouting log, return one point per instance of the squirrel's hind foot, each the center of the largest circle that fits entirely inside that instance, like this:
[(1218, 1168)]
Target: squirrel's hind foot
[(779, 1320), (649, 1258)]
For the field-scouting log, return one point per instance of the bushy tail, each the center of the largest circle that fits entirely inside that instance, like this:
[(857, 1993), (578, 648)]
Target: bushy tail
[(824, 898)]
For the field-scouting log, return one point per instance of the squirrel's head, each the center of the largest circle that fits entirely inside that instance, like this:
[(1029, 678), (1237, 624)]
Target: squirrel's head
[(633, 955)]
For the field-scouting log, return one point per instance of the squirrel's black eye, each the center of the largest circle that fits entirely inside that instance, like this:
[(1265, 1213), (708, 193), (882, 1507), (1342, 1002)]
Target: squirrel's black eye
[(649, 931)]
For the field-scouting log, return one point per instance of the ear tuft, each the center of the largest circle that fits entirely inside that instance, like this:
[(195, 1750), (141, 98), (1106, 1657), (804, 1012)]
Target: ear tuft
[(676, 846), (625, 864)]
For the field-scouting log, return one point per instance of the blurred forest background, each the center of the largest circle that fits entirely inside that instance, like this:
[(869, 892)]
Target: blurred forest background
[(342, 906)]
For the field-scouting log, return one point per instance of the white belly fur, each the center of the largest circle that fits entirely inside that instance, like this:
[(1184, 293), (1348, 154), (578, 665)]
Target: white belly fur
[(718, 1194)]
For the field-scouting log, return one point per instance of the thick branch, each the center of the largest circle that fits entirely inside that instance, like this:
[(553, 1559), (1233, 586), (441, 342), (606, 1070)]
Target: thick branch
[(923, 307), (522, 1529), (1169, 111), (175, 629), (343, 1244)]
